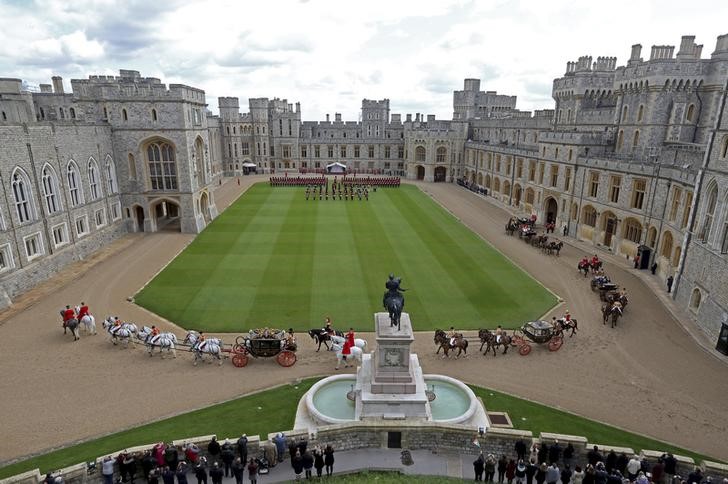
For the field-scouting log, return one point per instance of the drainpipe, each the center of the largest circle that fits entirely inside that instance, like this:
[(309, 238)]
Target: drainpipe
[(696, 191)]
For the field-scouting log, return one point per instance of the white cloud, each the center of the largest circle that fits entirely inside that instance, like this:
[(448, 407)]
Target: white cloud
[(329, 54)]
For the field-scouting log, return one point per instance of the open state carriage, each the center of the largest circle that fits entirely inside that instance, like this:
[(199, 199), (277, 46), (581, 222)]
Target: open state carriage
[(539, 332), (263, 344), (604, 287)]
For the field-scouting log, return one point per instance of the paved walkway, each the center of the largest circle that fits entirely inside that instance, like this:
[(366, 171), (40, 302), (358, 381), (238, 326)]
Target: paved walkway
[(654, 282), (425, 463)]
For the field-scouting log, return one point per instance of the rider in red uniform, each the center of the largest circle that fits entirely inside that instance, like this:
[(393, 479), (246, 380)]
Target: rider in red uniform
[(83, 311), (348, 343), (68, 314), (155, 331)]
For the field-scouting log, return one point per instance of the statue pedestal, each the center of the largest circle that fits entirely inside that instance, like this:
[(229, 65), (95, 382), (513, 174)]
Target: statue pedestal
[(390, 383)]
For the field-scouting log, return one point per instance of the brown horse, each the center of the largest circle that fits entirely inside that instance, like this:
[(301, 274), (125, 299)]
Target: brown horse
[(441, 339), (489, 338), (610, 310)]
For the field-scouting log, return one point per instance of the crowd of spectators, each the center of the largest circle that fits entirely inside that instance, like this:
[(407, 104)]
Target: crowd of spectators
[(553, 463)]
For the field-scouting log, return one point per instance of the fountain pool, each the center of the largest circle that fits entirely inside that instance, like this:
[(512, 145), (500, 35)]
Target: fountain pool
[(326, 401)]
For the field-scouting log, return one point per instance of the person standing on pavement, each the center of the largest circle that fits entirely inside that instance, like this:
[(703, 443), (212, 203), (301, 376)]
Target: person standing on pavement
[(297, 464), (253, 471), (216, 474), (243, 448), (238, 470), (552, 474), (478, 467), (329, 459), (318, 461), (670, 280), (228, 456), (565, 474), (308, 463)]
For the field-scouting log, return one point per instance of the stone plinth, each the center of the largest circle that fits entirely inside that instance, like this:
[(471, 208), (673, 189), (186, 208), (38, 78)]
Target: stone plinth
[(392, 371), (390, 384)]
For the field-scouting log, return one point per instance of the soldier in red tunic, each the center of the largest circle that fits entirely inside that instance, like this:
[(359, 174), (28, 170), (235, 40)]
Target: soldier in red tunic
[(83, 311)]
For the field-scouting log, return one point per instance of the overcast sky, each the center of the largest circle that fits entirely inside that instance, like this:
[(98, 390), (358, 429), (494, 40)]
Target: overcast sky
[(330, 54)]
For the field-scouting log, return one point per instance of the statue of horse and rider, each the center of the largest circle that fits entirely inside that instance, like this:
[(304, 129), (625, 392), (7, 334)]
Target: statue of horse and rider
[(393, 300)]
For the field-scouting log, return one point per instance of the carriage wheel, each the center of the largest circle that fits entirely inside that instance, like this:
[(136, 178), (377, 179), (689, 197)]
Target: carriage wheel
[(238, 348), (240, 360), (240, 340), (517, 339), (524, 349), (286, 358), (556, 343)]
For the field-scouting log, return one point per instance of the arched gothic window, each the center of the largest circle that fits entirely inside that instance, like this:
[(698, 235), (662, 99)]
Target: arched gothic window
[(420, 153), (50, 190), (441, 154), (111, 175), (93, 179), (74, 183), (22, 195), (162, 166), (709, 212)]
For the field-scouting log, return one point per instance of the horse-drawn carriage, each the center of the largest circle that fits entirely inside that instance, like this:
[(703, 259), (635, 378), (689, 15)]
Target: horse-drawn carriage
[(539, 332), (264, 345), (606, 289)]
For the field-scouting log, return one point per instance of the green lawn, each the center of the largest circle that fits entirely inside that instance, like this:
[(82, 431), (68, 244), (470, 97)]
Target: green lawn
[(263, 413), (274, 259)]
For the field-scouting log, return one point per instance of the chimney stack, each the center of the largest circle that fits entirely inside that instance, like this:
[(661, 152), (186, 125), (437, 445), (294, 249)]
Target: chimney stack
[(327, 118), (57, 84)]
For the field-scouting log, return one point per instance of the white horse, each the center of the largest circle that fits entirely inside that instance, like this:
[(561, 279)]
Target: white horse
[(123, 332), (359, 343), (163, 341), (210, 346), (89, 324), (356, 354)]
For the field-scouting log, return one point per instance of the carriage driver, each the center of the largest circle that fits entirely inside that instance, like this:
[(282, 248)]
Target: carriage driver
[(290, 339)]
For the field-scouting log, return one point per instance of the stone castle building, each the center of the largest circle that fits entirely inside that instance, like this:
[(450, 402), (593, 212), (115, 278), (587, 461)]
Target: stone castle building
[(631, 158)]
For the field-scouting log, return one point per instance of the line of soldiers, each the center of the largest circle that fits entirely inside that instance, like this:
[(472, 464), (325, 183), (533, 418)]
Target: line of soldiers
[(340, 190)]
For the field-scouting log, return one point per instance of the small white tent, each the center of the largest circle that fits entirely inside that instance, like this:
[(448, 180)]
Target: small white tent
[(336, 167)]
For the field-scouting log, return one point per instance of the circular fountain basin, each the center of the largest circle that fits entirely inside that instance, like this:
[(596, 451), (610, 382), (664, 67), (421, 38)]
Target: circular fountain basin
[(326, 401)]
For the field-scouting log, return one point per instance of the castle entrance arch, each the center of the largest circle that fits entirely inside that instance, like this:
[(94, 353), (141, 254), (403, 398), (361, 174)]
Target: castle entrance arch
[(440, 174), (420, 172), (139, 216), (551, 209), (166, 215)]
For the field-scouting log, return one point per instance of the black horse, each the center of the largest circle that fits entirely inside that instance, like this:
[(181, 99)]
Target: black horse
[(320, 336), (394, 306)]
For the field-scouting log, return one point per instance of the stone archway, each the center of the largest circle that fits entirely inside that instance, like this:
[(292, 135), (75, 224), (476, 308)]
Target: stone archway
[(205, 208), (609, 226), (139, 218), (551, 210), (420, 172), (440, 174), (166, 214)]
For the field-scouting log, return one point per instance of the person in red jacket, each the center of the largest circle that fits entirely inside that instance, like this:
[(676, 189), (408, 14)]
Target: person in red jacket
[(83, 311), (68, 314)]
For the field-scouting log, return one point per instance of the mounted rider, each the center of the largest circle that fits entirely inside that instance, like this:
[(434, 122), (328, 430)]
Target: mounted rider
[(394, 290), (453, 335), (67, 314), (498, 334), (327, 327), (82, 311)]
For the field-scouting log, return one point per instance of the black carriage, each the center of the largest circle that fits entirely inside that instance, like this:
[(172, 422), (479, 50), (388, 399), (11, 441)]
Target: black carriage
[(539, 332), (263, 346), (606, 289)]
